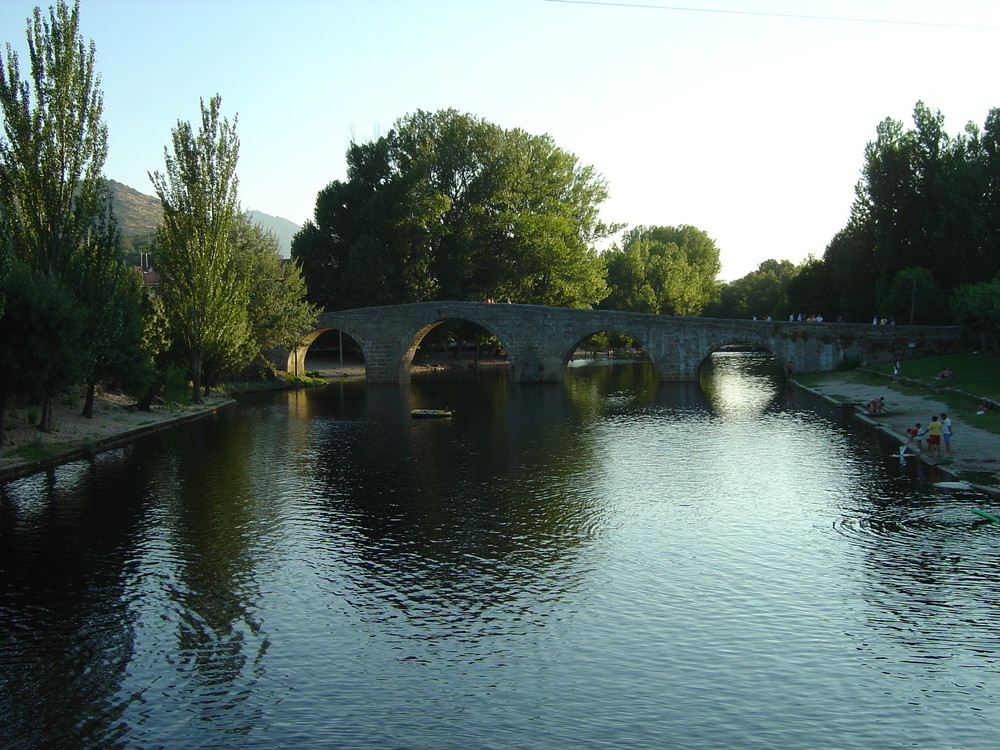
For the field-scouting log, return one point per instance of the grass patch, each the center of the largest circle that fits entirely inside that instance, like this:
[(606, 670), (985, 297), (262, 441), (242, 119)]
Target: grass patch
[(975, 373), (37, 450)]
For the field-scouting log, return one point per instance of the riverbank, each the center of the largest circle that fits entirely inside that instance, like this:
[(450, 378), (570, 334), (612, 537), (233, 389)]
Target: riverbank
[(27, 450), (975, 452)]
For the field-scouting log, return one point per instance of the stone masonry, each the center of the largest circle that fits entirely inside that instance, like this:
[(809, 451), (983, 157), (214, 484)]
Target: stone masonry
[(540, 340)]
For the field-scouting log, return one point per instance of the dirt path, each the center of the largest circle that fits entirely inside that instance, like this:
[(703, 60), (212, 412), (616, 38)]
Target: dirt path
[(975, 452), (75, 437)]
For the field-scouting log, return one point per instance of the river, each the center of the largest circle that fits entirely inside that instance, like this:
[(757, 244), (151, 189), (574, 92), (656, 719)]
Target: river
[(604, 563)]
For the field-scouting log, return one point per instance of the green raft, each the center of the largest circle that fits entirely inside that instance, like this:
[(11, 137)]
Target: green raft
[(985, 515)]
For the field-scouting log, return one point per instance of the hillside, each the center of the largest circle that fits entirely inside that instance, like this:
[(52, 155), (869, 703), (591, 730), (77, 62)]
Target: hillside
[(139, 215)]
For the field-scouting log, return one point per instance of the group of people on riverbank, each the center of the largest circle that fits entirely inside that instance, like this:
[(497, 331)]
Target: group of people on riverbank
[(937, 434)]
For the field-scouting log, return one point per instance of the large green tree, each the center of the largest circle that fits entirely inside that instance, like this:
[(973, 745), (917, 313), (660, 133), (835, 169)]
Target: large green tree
[(978, 306), (449, 206), (204, 294), (662, 270), (54, 143), (52, 197), (926, 199), (41, 316), (810, 291)]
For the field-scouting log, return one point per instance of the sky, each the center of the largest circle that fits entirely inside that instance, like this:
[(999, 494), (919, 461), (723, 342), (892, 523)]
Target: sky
[(744, 118)]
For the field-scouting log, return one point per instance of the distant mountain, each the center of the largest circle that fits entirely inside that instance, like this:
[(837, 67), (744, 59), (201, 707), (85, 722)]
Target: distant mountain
[(139, 215), (283, 230)]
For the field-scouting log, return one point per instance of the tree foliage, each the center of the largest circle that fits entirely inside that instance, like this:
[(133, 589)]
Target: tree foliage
[(978, 306), (448, 206), (204, 295), (668, 270), (54, 144), (276, 307), (41, 319), (810, 291), (54, 204), (927, 200), (762, 292)]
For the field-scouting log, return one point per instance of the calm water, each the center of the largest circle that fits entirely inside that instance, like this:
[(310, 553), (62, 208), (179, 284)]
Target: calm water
[(608, 563)]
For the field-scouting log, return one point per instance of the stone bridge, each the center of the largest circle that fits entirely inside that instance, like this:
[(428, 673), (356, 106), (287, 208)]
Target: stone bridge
[(540, 340)]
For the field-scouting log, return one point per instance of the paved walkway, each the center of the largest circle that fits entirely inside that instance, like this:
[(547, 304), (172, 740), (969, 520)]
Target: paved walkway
[(975, 452)]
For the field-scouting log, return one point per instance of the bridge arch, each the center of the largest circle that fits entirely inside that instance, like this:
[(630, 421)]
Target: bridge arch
[(538, 339), (775, 347)]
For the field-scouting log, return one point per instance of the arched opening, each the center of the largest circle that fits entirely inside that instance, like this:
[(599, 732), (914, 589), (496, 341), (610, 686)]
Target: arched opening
[(609, 370), (741, 379), (603, 348), (330, 353), (456, 343)]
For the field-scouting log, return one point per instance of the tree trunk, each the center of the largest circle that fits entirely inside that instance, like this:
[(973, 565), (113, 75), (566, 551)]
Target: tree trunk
[(196, 377), (88, 401), (45, 422), (208, 384), (3, 417), (146, 403)]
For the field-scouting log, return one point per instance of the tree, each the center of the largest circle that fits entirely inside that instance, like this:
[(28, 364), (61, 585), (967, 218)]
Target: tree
[(55, 142), (447, 206), (43, 335), (926, 199), (51, 154), (204, 294), (276, 307), (915, 297), (810, 290), (762, 292), (667, 270), (978, 306), (850, 262)]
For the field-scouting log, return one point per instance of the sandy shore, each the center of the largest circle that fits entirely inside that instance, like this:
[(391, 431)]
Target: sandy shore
[(113, 423)]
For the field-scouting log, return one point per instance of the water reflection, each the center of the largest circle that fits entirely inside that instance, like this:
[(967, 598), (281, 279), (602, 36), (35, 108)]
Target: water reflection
[(612, 561)]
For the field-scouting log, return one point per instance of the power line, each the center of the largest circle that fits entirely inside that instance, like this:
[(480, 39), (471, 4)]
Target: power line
[(776, 15)]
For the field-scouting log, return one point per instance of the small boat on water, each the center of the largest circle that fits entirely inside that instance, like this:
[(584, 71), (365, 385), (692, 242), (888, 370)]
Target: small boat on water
[(431, 413)]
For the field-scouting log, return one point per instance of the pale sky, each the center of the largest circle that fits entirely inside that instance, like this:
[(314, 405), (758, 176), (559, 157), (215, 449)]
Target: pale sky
[(747, 125)]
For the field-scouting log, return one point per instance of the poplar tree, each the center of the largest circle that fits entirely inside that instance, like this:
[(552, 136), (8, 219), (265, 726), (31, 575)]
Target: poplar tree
[(204, 294), (52, 151), (54, 143)]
